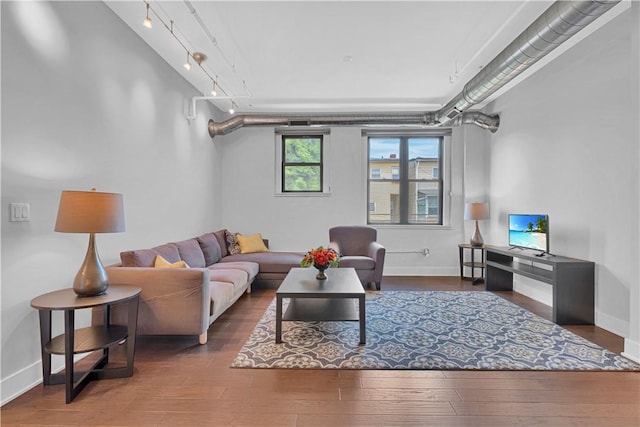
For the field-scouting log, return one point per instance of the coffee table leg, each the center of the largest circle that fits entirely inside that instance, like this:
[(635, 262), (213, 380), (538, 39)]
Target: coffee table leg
[(363, 329), (278, 319)]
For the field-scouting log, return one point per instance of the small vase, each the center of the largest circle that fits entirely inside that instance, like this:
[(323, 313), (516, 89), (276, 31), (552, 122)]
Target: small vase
[(321, 274)]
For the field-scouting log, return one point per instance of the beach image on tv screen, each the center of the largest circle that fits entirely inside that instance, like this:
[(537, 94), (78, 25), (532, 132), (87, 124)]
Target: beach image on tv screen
[(528, 231)]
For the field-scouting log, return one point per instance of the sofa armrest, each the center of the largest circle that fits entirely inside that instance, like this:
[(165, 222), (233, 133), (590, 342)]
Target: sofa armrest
[(376, 251), (173, 300)]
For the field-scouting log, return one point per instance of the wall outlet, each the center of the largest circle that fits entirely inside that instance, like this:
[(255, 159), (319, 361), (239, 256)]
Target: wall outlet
[(426, 252)]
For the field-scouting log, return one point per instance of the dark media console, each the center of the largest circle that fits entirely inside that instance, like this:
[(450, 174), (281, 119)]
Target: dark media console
[(573, 280)]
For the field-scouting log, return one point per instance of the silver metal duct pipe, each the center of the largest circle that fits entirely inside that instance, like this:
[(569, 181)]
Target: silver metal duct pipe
[(356, 119), (558, 23)]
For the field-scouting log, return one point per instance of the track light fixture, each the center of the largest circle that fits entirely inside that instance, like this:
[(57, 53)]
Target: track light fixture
[(147, 22), (198, 57)]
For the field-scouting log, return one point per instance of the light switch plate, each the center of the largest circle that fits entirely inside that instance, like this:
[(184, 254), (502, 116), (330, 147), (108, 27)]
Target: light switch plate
[(19, 212)]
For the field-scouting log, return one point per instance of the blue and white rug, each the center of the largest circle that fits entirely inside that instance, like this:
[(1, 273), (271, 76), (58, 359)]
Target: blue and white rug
[(428, 330)]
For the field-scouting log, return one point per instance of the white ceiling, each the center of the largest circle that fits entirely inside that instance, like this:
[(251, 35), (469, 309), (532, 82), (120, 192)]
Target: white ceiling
[(324, 56)]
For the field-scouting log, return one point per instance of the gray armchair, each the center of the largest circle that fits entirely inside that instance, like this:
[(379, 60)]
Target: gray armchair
[(358, 248)]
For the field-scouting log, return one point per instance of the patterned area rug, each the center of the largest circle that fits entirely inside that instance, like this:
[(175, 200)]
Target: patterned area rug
[(428, 330)]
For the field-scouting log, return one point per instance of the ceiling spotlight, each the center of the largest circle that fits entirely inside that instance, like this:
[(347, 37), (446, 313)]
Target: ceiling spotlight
[(232, 110), (187, 64), (147, 21), (213, 89), (199, 57)]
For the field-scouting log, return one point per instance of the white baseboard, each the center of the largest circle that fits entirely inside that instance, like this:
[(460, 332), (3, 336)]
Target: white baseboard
[(533, 291), (20, 382), (421, 271), (631, 350), (612, 324), (27, 378)]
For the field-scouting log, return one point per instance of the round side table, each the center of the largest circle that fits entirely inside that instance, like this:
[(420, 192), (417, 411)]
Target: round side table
[(100, 337)]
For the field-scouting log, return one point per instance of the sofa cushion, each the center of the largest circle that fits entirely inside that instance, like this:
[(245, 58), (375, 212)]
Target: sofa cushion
[(251, 244), (358, 262), (270, 262), (232, 243), (250, 268), (221, 237), (160, 262), (191, 253), (210, 248), (147, 257), (237, 277)]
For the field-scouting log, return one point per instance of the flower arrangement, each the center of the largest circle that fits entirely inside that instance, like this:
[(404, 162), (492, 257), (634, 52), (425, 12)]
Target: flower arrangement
[(321, 258)]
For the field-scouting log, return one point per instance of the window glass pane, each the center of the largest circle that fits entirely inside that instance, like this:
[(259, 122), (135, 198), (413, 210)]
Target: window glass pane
[(383, 197), (428, 148), (424, 206), (302, 178), (383, 149), (302, 150)]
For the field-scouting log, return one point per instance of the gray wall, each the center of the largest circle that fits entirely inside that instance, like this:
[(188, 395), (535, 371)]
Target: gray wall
[(568, 146), (86, 103), (250, 203)]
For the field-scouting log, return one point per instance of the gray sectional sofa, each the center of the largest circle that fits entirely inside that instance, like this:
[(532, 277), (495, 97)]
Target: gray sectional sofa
[(186, 301)]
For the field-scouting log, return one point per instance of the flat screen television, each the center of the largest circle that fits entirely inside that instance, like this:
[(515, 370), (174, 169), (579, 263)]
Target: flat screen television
[(530, 231)]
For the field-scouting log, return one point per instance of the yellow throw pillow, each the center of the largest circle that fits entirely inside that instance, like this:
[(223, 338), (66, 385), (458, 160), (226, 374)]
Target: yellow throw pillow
[(163, 263), (250, 244)]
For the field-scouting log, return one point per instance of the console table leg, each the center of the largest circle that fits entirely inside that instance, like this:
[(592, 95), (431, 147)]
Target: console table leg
[(45, 337), (132, 322), (69, 332)]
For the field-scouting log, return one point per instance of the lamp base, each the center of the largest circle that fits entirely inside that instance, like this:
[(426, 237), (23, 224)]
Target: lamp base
[(92, 279), (476, 239)]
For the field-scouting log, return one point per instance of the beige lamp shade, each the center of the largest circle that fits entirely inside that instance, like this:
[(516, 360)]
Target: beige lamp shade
[(476, 211), (90, 212)]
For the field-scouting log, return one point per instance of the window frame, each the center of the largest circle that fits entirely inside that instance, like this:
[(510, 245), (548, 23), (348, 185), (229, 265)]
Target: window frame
[(443, 178), (279, 134), (286, 164)]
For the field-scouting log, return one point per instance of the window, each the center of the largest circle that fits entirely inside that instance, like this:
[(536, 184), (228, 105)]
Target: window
[(409, 186), (301, 163), (376, 173), (395, 172)]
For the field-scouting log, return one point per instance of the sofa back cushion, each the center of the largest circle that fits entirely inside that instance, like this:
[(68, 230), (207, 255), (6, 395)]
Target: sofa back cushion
[(222, 241), (190, 253), (210, 248), (146, 257)]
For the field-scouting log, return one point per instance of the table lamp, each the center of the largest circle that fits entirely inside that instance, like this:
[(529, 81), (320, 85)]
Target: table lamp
[(90, 212), (476, 211)]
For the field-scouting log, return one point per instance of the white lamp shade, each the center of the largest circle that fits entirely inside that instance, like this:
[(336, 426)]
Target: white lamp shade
[(90, 212), (476, 211)]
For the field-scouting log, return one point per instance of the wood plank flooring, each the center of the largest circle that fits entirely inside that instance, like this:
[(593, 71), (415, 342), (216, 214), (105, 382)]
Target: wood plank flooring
[(179, 382)]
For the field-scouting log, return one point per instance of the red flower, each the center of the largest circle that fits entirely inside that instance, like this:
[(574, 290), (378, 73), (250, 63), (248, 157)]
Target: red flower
[(321, 258)]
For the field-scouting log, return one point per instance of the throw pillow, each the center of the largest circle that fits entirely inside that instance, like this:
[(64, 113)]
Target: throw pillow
[(163, 263), (250, 244), (232, 244)]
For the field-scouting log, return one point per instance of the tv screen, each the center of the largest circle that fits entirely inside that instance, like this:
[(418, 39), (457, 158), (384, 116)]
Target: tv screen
[(529, 231)]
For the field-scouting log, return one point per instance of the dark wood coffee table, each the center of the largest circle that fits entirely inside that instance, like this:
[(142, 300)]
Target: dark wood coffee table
[(321, 300)]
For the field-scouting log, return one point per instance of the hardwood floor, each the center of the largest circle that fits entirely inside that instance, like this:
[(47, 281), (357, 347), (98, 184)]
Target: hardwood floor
[(179, 382)]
